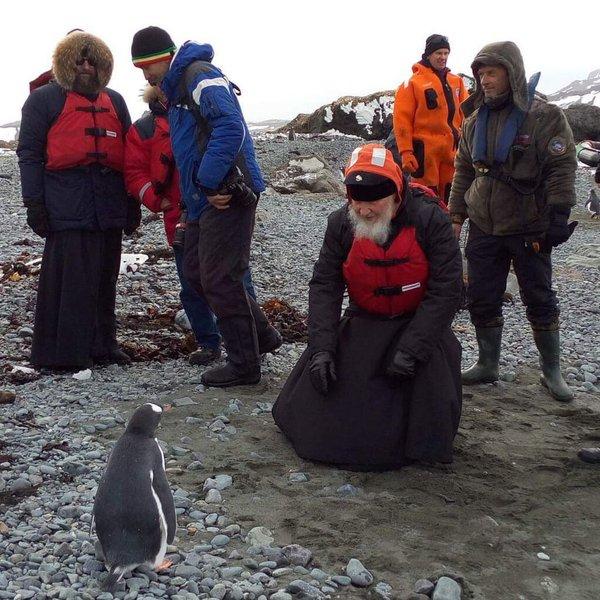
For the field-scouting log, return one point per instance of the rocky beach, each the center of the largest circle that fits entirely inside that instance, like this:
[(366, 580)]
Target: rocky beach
[(514, 517)]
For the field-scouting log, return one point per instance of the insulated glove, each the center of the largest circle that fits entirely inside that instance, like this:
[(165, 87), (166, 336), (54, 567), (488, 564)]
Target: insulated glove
[(402, 366), (37, 218), (559, 230), (134, 215), (410, 164), (321, 368)]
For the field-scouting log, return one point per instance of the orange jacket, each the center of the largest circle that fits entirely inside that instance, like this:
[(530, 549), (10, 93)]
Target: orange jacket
[(425, 109)]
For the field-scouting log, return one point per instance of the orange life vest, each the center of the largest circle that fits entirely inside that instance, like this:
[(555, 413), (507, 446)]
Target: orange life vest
[(86, 132), (387, 282)]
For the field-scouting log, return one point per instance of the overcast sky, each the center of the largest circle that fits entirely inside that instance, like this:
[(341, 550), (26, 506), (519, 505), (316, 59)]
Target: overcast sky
[(291, 57)]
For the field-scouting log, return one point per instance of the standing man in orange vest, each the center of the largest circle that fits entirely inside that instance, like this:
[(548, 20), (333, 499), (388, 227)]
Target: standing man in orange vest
[(71, 155), (379, 388), (428, 119)]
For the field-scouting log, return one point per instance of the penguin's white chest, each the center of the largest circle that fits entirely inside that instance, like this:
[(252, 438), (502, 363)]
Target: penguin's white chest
[(162, 524)]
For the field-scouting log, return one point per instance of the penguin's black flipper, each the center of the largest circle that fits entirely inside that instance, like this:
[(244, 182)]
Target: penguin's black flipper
[(163, 491)]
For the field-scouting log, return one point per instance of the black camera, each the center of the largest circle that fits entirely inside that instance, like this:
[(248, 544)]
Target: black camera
[(179, 238), (234, 185)]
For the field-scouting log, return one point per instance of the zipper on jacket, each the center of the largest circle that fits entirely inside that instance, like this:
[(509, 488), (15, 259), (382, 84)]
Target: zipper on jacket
[(450, 103)]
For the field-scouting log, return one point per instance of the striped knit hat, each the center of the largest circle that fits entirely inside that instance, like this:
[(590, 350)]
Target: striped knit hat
[(151, 45)]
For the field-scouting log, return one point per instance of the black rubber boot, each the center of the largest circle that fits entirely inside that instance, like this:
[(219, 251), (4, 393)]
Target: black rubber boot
[(269, 339), (243, 361), (485, 370), (548, 345), (204, 356)]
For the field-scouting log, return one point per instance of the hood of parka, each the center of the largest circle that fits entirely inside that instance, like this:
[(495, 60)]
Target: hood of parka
[(71, 49), (508, 55), (152, 98)]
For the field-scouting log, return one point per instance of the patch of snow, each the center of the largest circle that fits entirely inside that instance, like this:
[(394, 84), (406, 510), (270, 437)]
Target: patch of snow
[(347, 108), (8, 134), (335, 132), (328, 114)]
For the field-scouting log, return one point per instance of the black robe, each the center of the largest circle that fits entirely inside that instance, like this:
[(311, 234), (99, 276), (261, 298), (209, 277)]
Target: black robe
[(75, 320), (369, 421)]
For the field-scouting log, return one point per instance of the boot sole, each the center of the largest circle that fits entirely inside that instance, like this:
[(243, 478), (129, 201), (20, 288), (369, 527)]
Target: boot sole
[(233, 383)]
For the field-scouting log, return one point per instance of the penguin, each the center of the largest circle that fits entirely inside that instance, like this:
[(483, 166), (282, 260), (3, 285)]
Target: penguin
[(134, 511), (593, 205)]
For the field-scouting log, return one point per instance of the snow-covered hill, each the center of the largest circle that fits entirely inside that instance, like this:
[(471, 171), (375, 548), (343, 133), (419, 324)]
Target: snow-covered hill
[(581, 91)]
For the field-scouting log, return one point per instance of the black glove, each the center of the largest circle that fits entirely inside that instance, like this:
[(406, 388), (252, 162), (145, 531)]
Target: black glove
[(321, 368), (402, 365), (559, 230), (134, 215), (37, 218)]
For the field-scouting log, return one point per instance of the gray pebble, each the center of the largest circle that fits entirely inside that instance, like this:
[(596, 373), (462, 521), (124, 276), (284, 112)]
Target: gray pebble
[(358, 573), (447, 589)]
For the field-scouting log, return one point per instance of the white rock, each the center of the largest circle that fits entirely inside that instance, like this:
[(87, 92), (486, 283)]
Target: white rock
[(358, 573), (260, 536), (83, 375), (214, 497)]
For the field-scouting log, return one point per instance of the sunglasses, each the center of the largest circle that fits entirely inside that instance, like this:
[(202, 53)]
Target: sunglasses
[(90, 61)]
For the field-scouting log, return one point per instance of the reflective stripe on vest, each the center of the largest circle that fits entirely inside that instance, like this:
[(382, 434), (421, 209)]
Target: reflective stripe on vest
[(387, 282), (86, 132)]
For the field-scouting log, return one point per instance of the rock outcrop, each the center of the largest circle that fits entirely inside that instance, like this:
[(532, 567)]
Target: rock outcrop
[(368, 117)]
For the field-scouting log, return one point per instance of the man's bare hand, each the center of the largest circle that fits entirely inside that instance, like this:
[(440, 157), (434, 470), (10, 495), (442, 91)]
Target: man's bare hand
[(457, 228), (165, 204), (219, 201)]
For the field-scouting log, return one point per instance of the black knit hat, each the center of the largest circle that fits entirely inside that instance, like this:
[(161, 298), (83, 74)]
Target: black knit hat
[(435, 42), (151, 45)]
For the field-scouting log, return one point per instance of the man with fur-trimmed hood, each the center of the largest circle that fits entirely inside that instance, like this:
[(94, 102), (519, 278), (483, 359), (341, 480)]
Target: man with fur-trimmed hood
[(71, 152), (515, 182)]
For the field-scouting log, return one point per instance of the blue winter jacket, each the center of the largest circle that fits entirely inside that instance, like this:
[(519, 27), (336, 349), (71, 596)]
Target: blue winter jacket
[(205, 155)]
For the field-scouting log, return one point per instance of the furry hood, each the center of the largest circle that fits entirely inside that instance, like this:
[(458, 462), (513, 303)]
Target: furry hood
[(509, 56), (70, 49), (150, 94)]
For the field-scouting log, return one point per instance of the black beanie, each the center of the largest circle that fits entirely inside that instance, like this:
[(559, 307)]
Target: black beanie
[(151, 45), (435, 42)]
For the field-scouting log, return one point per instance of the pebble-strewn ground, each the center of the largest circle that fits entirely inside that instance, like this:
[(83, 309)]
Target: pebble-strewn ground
[(515, 516)]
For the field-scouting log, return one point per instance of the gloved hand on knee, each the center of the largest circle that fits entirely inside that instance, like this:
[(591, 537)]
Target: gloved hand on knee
[(402, 366), (321, 368)]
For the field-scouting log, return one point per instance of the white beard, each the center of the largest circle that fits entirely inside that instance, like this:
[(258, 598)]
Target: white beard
[(377, 230)]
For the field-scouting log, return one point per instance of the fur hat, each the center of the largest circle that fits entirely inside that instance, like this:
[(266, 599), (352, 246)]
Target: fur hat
[(75, 46)]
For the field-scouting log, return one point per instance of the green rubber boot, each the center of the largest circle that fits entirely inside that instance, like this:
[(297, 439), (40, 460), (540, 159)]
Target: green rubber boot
[(485, 370), (548, 345)]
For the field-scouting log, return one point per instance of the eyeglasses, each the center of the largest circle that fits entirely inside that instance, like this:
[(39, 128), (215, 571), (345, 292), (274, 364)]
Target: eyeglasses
[(90, 61)]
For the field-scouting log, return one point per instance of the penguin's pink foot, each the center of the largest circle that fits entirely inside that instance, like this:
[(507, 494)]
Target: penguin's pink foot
[(166, 564)]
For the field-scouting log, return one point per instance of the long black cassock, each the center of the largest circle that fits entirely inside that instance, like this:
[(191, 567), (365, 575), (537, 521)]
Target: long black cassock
[(368, 420)]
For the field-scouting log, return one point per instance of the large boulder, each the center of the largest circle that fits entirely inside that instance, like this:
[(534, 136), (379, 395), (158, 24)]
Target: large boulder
[(368, 117), (584, 120), (308, 173)]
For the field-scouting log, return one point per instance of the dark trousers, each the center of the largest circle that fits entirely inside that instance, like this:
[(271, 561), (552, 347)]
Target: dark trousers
[(215, 261), (201, 317), (488, 260), (75, 309)]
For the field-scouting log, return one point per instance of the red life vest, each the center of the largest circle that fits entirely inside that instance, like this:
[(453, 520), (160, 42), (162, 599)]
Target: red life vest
[(86, 132), (387, 282)]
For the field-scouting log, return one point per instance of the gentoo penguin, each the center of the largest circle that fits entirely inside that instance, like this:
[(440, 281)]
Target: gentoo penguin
[(593, 204), (134, 509)]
